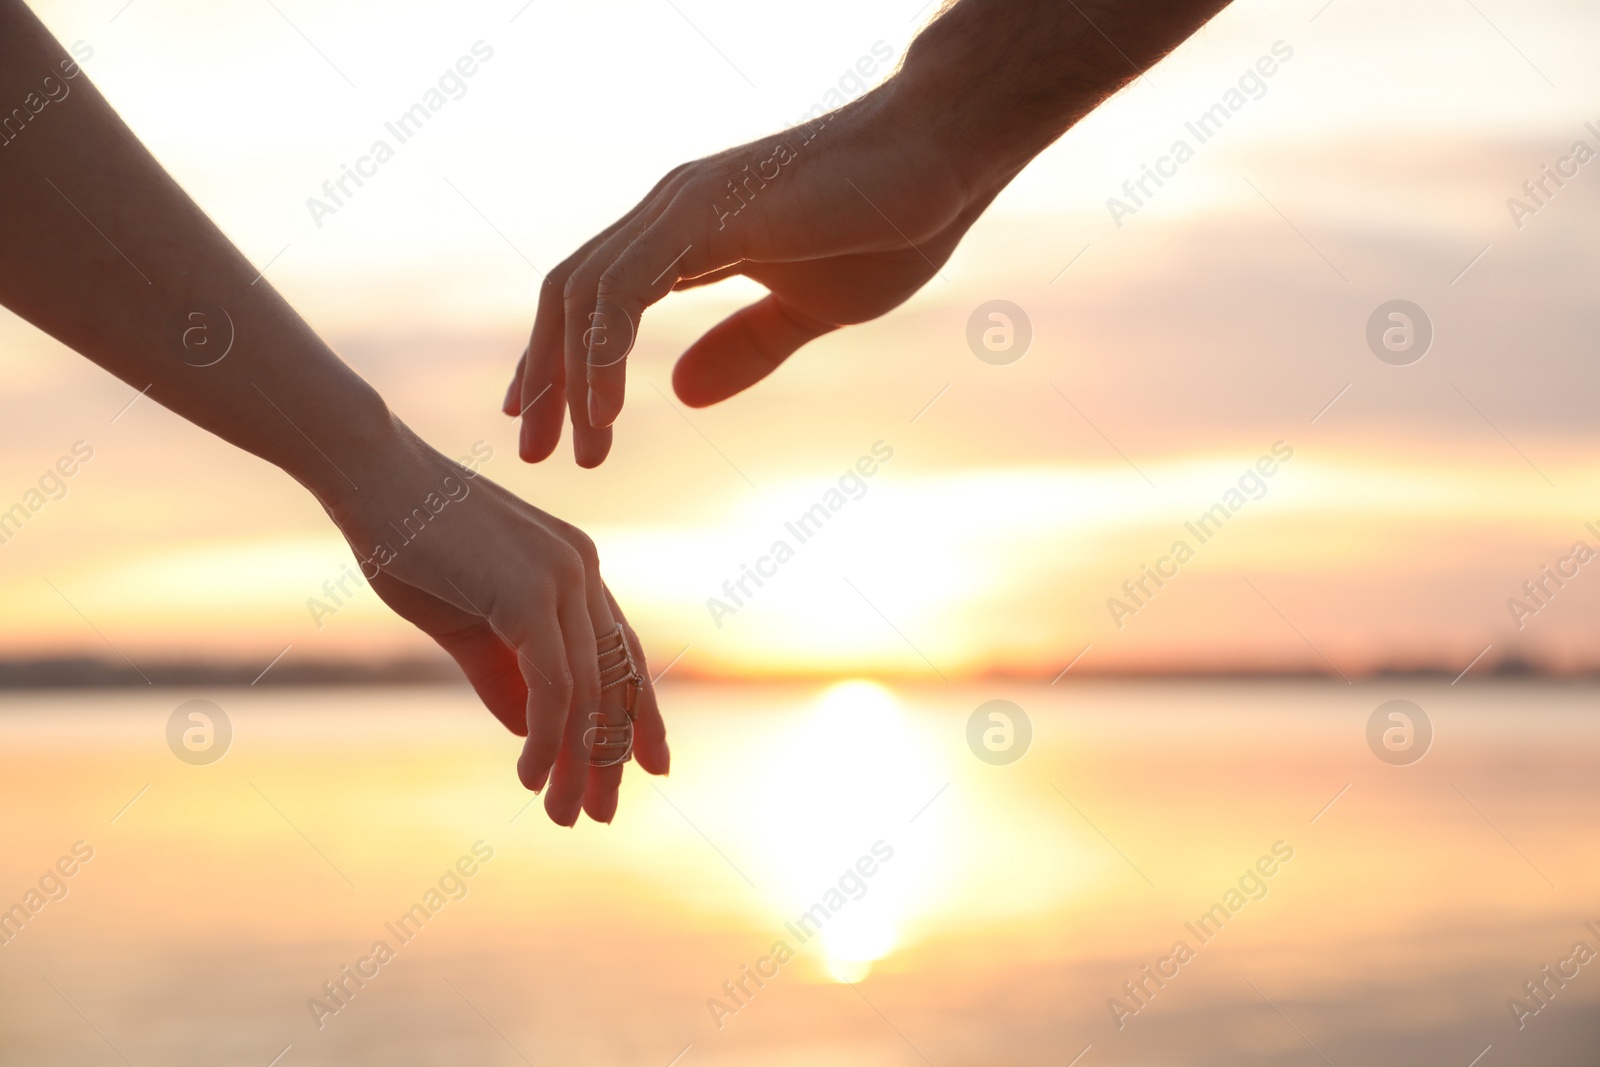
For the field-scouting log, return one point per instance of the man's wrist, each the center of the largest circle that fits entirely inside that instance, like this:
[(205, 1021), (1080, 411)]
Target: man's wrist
[(997, 81), (943, 92)]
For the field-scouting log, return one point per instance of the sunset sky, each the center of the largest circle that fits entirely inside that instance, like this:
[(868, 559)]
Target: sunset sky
[(1172, 347)]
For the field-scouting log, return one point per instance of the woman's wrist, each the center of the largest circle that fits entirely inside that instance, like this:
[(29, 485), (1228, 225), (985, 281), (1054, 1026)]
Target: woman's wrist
[(397, 485), (356, 450)]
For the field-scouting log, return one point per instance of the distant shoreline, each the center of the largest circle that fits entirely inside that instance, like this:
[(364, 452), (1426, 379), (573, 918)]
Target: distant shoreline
[(84, 672)]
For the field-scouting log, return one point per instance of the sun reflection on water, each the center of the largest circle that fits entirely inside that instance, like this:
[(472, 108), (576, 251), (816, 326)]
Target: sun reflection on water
[(868, 764)]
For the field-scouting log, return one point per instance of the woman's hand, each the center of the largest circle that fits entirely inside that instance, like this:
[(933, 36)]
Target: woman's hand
[(515, 596), (512, 593)]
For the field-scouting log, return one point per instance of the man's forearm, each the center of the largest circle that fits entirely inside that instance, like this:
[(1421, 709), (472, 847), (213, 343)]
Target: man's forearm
[(999, 80), (100, 248)]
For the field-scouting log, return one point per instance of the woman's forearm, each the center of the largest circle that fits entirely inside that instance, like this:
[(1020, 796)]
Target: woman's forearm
[(100, 248)]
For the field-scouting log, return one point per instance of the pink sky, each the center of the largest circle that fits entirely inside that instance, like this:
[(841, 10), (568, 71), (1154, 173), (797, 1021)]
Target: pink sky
[(1221, 317)]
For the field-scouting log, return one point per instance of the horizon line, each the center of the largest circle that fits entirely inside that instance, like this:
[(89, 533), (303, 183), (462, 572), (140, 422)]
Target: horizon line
[(90, 672)]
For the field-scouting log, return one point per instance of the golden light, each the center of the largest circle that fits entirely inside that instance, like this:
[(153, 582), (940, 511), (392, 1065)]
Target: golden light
[(868, 765)]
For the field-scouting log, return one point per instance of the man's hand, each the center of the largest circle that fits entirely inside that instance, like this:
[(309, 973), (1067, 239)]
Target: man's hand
[(841, 220)]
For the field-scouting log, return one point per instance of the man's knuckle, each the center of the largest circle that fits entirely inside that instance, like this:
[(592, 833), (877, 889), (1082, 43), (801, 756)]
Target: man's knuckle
[(578, 282), (613, 280), (556, 281), (678, 176)]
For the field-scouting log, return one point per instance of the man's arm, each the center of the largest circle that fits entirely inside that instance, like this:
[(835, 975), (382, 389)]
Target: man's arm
[(100, 248), (843, 217), (998, 81)]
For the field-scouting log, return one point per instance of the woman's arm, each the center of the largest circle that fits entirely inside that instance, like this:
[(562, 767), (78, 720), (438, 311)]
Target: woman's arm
[(100, 248)]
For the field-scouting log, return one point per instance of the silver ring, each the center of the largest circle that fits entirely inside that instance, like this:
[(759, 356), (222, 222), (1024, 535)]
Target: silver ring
[(612, 743)]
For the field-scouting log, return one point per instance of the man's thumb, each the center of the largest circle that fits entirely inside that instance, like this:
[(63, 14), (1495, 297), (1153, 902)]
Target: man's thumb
[(741, 350)]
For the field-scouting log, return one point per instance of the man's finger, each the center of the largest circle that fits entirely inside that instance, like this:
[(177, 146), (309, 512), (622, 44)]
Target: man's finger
[(543, 389), (679, 245), (542, 399), (741, 350), (544, 392), (583, 327), (513, 399), (709, 278), (590, 444)]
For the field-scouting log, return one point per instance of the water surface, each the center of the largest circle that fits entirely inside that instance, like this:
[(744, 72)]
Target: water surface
[(960, 913)]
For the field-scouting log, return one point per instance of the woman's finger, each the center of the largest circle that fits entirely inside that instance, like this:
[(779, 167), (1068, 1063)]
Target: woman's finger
[(543, 659), (649, 729), (569, 777), (489, 662), (610, 737)]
